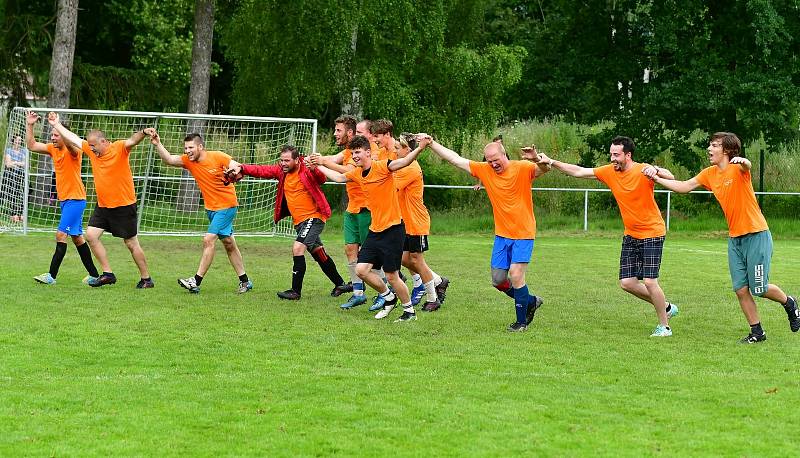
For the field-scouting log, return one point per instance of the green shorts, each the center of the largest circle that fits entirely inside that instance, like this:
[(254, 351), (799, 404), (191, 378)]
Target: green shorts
[(749, 257), (356, 226)]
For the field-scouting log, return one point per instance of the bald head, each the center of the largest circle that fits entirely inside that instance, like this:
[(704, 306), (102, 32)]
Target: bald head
[(496, 156)]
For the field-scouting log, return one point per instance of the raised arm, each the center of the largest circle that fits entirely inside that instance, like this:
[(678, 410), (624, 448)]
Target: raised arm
[(166, 157), (570, 169), (32, 118), (449, 155), (678, 186), (651, 171), (332, 162), (529, 153), (332, 174), (745, 164), (135, 139), (70, 139), (398, 164)]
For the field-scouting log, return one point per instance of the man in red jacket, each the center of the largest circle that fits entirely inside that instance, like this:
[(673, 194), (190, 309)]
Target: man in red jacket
[(299, 195)]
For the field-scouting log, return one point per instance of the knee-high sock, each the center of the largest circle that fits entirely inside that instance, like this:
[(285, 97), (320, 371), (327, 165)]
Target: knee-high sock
[(521, 299), (58, 256), (86, 259), (430, 291), (328, 266), (506, 288), (298, 272)]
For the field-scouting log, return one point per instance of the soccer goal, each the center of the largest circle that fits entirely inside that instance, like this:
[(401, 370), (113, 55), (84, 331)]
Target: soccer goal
[(169, 201)]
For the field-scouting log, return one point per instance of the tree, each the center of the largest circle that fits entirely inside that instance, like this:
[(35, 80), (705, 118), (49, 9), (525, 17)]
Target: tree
[(63, 54), (201, 56)]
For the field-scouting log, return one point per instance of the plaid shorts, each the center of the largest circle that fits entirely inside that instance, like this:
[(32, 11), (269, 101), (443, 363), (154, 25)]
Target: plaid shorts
[(640, 258)]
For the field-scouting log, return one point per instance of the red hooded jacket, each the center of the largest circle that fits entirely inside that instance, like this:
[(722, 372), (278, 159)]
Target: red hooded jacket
[(311, 179)]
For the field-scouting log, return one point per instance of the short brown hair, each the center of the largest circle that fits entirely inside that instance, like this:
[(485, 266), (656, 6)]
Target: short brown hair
[(348, 121), (359, 142), (731, 145), (194, 137), (381, 126), (290, 149)]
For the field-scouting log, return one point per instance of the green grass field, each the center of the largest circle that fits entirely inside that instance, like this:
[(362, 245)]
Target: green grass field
[(117, 371)]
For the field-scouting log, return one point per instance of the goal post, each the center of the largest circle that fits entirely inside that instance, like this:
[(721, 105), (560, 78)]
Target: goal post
[(168, 199)]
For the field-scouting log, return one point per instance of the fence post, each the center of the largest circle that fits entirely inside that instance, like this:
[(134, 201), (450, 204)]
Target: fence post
[(148, 170), (669, 202), (585, 211)]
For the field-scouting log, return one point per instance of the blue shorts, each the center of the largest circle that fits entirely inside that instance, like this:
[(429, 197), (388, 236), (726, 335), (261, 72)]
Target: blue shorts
[(221, 221), (510, 251), (71, 222)]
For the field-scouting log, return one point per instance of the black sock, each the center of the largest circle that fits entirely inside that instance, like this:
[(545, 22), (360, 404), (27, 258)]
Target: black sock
[(669, 307), (755, 329), (298, 272), (790, 304), (86, 259), (58, 256), (198, 279), (329, 267), (243, 277)]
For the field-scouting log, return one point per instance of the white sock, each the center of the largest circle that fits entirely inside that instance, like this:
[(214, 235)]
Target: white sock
[(436, 278), (417, 280), (408, 308), (430, 291), (388, 295), (351, 268)]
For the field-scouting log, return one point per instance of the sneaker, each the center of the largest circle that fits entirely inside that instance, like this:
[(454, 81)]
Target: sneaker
[(387, 309), (354, 301), (754, 338), (45, 278), (517, 327), (341, 289), (244, 286), (673, 310), (289, 295), (190, 284), (794, 314), (661, 331), (88, 279), (406, 316), (145, 283), (377, 303), (532, 308), (417, 293), (432, 306), (441, 289), (103, 279)]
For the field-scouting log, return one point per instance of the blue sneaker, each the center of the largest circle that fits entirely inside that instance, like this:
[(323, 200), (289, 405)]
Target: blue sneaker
[(244, 286), (416, 294), (354, 301), (377, 303), (45, 278), (673, 310)]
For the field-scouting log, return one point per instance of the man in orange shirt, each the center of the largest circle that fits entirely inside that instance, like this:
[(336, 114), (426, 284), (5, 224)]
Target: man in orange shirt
[(643, 241), (116, 210), (508, 185), (382, 132), (71, 195), (299, 196), (384, 244), (410, 187), (750, 241), (208, 169)]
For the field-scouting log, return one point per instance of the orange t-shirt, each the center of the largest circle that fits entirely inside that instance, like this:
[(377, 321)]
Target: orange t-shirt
[(298, 199), (410, 187), (733, 188), (381, 194), (68, 173), (209, 174), (356, 199), (510, 194), (113, 180), (637, 204), (384, 154)]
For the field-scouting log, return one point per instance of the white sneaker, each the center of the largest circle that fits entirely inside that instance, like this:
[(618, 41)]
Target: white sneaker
[(190, 284), (661, 331), (385, 311)]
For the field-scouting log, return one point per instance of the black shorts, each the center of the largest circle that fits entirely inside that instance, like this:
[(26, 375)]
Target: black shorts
[(122, 222), (384, 249), (308, 233), (415, 243), (640, 258)]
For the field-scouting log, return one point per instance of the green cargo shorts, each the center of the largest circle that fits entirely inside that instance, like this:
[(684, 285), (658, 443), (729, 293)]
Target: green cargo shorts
[(356, 226), (749, 258)]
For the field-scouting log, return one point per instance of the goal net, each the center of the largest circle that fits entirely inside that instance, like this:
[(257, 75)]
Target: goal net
[(168, 199)]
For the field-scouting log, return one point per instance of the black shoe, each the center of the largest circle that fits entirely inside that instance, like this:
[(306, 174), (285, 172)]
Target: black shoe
[(341, 289), (754, 338), (517, 327), (406, 316), (103, 279), (794, 314), (532, 308), (145, 283), (289, 295), (431, 306), (441, 289)]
